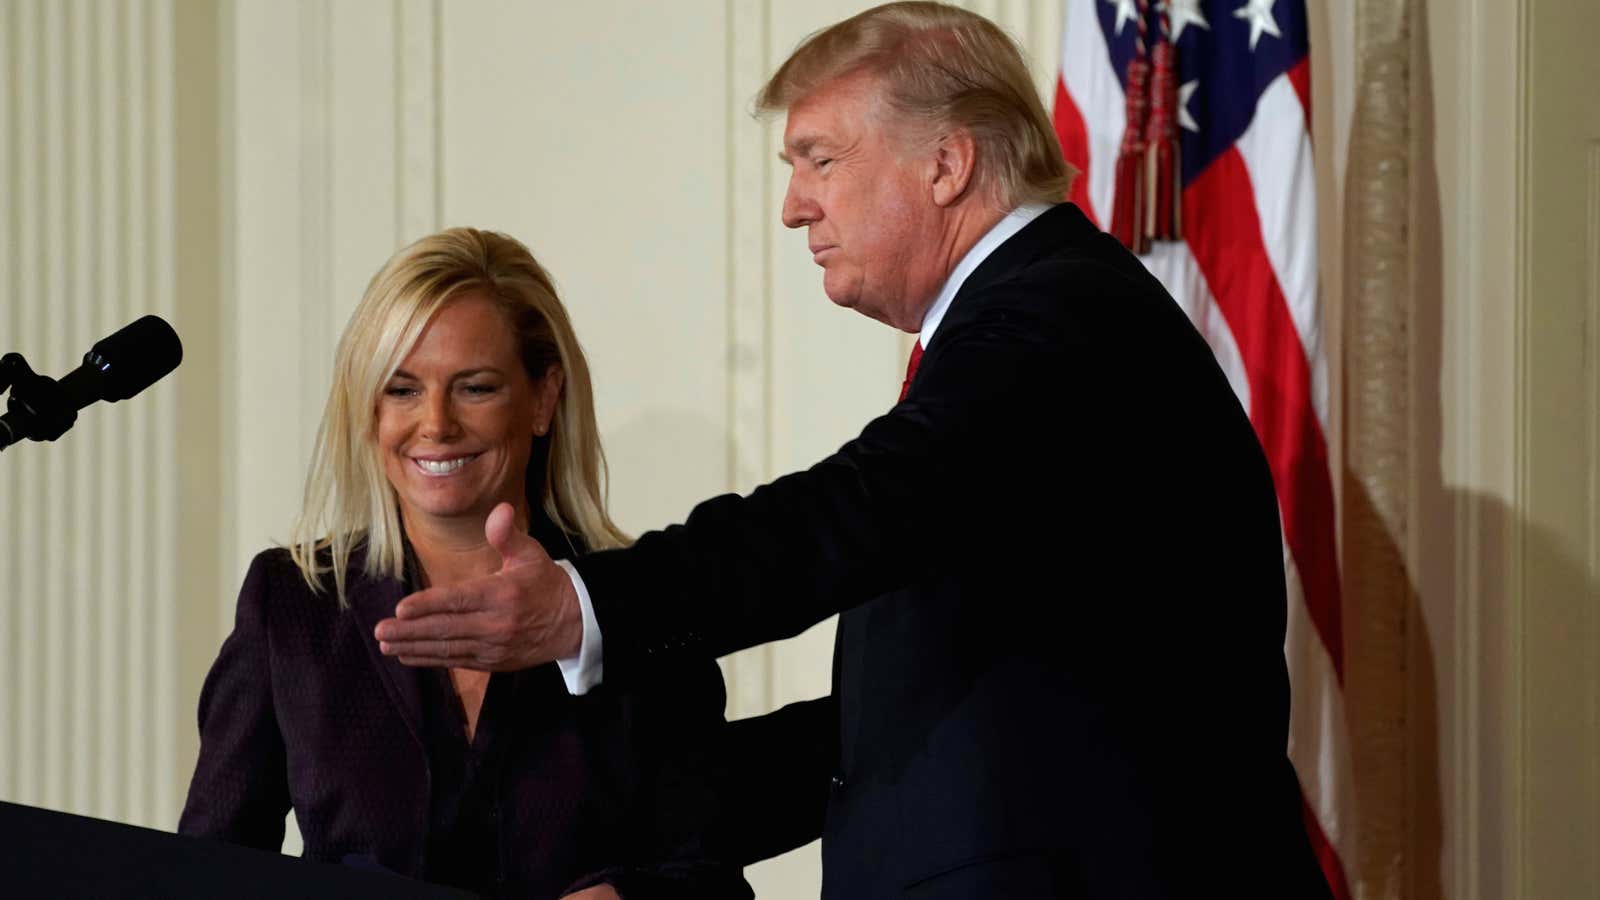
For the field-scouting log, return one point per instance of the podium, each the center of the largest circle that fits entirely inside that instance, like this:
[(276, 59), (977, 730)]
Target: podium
[(53, 854)]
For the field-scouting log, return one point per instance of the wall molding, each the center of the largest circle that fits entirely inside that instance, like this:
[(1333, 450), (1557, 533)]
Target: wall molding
[(750, 209), (1512, 828), (418, 119), (1592, 456), (1592, 346), (316, 108)]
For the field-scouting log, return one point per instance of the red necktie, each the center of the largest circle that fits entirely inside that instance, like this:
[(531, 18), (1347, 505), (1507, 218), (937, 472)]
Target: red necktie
[(911, 369)]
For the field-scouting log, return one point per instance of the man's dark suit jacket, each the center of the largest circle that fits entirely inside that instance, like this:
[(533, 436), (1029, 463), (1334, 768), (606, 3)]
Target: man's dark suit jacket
[(1059, 669), (302, 709)]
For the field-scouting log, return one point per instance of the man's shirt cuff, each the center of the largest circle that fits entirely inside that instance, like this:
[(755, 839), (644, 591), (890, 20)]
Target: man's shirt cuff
[(582, 672)]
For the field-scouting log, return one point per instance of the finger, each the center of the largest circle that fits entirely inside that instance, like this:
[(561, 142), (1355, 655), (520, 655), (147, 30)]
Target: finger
[(453, 651), (465, 597), (515, 547), (452, 662), (430, 662), (439, 626), (451, 654), (500, 526)]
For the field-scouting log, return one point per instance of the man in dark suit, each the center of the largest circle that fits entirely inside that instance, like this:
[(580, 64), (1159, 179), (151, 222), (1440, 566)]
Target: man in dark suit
[(1059, 666)]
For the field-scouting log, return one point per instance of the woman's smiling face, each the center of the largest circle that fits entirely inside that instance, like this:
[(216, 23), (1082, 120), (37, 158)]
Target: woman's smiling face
[(457, 420)]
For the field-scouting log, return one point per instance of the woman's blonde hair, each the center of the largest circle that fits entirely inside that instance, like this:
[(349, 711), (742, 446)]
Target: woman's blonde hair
[(944, 67), (348, 498)]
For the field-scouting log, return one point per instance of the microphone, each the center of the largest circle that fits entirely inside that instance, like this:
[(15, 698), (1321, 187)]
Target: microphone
[(115, 368)]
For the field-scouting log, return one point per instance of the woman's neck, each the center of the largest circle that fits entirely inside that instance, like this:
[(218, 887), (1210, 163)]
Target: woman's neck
[(451, 550)]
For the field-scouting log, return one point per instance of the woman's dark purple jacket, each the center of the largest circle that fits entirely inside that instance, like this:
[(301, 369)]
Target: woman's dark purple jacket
[(301, 709)]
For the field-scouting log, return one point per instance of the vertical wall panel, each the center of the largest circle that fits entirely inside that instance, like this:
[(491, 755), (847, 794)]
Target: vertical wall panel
[(135, 296), (366, 183), (316, 206), (81, 705), (90, 704), (8, 332), (163, 429), (1592, 361), (419, 119), (110, 649), (9, 633), (28, 461), (57, 343), (749, 297)]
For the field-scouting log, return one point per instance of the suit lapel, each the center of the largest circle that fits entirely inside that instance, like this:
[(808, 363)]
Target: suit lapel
[(371, 602), (1057, 230)]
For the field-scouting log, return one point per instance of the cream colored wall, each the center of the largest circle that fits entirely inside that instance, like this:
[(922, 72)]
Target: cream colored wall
[(1511, 628), (95, 544), (242, 166)]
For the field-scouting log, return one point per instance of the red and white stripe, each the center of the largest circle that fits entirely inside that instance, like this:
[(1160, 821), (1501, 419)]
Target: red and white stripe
[(1246, 274)]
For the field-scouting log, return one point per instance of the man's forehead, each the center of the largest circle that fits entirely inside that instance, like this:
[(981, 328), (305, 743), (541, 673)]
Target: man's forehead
[(829, 116)]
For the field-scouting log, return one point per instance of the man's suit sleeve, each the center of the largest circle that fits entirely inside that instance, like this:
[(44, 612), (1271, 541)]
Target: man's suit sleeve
[(875, 516), (240, 790), (775, 777), (680, 850)]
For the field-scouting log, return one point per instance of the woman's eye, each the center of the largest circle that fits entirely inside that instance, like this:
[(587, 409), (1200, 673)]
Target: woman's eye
[(395, 390), (479, 389)]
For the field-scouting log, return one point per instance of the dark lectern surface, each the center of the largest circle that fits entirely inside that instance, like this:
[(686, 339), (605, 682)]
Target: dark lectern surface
[(52, 854)]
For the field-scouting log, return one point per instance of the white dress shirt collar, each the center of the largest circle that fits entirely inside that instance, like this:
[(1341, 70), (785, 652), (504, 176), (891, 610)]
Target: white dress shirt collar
[(1002, 231)]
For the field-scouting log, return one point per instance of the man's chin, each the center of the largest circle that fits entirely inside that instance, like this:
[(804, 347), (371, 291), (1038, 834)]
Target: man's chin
[(840, 297)]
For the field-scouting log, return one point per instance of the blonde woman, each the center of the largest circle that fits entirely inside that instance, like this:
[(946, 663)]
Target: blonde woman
[(461, 409)]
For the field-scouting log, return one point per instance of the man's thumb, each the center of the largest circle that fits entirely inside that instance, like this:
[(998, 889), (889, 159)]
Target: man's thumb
[(515, 547)]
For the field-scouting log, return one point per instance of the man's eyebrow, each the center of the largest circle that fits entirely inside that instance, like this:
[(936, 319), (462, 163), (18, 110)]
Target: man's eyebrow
[(797, 147)]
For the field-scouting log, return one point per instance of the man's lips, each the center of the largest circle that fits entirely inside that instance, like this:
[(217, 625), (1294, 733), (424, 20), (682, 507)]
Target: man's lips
[(819, 249)]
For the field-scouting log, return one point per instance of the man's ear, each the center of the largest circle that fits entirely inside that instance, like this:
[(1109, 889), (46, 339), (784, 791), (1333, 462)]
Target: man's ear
[(955, 155)]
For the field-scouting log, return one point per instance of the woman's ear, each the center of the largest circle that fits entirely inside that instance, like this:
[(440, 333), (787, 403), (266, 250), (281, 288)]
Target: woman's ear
[(547, 394)]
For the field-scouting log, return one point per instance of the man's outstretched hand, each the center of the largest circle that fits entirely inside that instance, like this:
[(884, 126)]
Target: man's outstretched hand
[(522, 616)]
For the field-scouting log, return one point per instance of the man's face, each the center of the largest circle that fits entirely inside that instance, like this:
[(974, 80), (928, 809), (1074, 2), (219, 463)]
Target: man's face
[(861, 191)]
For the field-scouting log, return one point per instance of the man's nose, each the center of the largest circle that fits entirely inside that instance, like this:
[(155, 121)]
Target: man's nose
[(798, 209)]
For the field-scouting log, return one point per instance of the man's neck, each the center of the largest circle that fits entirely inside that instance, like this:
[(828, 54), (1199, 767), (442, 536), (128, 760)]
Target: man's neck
[(968, 227), (963, 227)]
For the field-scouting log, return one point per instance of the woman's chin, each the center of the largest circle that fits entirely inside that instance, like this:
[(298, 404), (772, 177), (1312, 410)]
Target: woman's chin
[(452, 509)]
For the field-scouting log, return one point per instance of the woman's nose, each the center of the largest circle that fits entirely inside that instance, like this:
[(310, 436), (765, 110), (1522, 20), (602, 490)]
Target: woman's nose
[(438, 418)]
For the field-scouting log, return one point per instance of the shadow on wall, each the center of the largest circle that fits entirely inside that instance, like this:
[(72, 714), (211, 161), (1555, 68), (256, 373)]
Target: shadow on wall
[(662, 463), (1393, 682)]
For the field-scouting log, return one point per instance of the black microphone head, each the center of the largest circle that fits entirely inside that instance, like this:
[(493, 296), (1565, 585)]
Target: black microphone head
[(135, 357)]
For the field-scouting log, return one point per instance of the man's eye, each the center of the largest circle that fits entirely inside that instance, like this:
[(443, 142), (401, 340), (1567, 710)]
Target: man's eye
[(824, 163)]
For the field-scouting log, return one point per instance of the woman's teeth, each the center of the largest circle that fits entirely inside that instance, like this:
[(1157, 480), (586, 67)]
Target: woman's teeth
[(442, 466)]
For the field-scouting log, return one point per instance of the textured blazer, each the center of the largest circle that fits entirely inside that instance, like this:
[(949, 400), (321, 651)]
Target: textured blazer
[(1059, 668), (302, 710)]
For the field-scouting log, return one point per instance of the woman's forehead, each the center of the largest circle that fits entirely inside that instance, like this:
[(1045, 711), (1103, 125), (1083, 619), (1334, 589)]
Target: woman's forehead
[(469, 327)]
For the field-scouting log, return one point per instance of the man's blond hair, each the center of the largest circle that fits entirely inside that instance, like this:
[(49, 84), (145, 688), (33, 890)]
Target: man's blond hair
[(947, 68)]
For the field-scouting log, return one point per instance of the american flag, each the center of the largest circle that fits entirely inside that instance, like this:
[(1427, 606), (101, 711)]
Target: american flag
[(1245, 271)]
